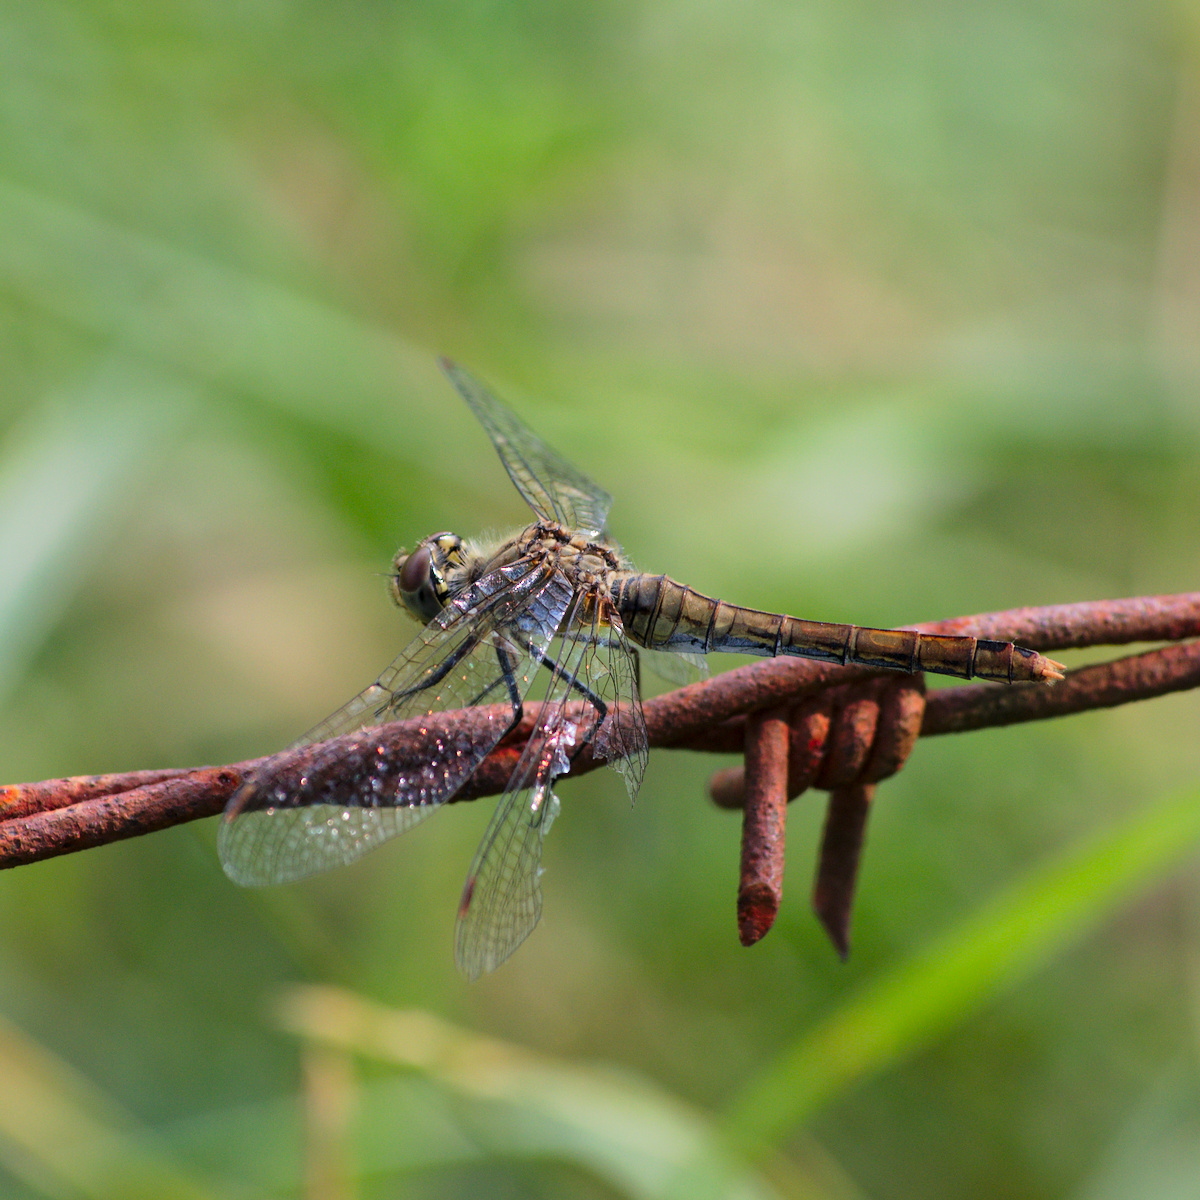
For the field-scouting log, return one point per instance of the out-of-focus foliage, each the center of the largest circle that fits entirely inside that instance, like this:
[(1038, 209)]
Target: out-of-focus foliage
[(866, 312)]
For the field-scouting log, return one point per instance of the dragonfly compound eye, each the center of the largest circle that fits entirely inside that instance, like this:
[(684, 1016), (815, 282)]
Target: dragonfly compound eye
[(414, 585), (413, 572)]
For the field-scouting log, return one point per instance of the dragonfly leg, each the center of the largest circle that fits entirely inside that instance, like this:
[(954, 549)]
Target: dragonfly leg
[(508, 667), (598, 705), (549, 662), (434, 677)]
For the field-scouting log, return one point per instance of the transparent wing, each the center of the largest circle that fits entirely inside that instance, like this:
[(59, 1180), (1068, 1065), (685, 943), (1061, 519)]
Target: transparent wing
[(592, 698), (671, 667), (555, 490), (621, 738), (484, 649), (437, 669)]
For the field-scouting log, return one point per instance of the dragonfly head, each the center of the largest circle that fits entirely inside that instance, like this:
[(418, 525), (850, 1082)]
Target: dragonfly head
[(418, 580)]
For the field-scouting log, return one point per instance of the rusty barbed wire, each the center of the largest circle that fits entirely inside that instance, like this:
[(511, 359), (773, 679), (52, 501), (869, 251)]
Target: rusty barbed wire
[(839, 728), (858, 734)]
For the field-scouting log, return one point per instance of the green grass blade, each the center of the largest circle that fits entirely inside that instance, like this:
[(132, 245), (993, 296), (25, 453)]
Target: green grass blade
[(67, 476), (207, 320), (64, 1137), (613, 1123)]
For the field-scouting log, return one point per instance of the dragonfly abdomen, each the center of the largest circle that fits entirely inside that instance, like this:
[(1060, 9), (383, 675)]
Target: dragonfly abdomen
[(661, 614)]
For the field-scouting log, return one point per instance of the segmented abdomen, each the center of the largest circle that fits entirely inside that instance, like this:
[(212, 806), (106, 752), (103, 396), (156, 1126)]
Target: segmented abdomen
[(661, 614)]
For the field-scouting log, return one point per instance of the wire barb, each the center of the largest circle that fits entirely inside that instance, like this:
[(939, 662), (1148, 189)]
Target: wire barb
[(841, 851), (764, 824)]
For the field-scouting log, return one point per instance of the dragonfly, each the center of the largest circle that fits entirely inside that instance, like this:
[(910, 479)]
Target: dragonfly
[(558, 600)]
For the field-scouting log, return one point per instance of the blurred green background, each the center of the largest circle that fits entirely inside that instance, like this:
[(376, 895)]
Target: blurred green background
[(865, 312)]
